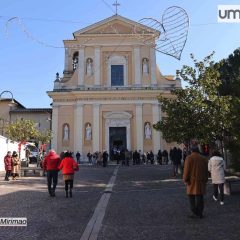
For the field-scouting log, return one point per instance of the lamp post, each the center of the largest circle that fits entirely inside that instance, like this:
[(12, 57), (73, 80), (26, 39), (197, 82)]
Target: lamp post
[(2, 124), (12, 103)]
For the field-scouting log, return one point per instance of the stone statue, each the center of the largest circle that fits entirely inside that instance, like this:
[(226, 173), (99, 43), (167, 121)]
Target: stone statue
[(65, 132), (148, 131), (89, 67), (145, 66), (88, 132)]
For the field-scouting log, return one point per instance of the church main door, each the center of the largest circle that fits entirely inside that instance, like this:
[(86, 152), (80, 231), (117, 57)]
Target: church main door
[(117, 138)]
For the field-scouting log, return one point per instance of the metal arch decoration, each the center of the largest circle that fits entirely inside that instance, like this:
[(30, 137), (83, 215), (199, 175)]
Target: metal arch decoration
[(173, 30)]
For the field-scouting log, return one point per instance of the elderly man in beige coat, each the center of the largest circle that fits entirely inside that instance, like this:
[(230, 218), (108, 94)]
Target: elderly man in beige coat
[(195, 177)]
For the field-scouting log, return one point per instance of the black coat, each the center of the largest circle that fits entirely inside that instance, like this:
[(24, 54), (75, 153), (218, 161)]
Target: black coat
[(105, 156)]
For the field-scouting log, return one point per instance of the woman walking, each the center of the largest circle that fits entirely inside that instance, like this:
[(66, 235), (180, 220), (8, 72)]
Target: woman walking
[(216, 166), (8, 165), (15, 165), (68, 166)]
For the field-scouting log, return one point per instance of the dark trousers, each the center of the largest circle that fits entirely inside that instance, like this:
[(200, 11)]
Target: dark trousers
[(7, 175), (68, 182), (52, 179), (196, 204), (215, 191), (175, 169), (104, 163)]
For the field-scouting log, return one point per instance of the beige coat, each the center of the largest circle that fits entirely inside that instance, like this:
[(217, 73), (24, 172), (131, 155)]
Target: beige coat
[(15, 165), (195, 174)]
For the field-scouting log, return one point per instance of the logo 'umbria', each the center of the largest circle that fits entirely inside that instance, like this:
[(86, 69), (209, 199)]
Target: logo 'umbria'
[(229, 13)]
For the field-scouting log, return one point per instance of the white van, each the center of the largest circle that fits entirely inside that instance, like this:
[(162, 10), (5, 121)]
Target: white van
[(32, 153)]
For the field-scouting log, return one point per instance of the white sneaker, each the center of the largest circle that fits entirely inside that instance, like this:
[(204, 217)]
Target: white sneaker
[(221, 203), (214, 198)]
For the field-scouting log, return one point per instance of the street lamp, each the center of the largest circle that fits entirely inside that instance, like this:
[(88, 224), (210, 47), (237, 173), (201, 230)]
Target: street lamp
[(12, 103)]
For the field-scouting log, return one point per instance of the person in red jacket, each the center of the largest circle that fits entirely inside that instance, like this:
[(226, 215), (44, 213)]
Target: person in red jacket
[(8, 165), (50, 164), (68, 166)]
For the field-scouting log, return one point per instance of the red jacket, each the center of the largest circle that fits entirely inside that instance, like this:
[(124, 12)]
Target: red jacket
[(8, 163), (68, 166), (51, 161)]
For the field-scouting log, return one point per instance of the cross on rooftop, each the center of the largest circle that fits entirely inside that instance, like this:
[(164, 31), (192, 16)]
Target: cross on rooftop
[(116, 4)]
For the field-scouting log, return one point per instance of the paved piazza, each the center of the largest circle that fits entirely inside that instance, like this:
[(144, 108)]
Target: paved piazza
[(136, 202)]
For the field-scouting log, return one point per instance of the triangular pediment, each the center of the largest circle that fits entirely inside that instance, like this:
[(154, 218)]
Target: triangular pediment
[(116, 25)]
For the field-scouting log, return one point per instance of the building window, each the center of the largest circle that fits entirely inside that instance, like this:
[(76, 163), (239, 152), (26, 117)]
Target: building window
[(117, 78), (117, 70)]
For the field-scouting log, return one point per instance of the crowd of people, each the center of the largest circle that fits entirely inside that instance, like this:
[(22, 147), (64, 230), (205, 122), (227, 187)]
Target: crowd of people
[(195, 170)]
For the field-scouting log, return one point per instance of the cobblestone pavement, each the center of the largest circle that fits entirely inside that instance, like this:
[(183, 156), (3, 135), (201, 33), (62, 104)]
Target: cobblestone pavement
[(146, 203)]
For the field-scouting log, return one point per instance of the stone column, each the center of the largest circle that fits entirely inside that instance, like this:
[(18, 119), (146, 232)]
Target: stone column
[(97, 65), (153, 66), (156, 134), (95, 132), (54, 141), (137, 66), (139, 127), (66, 64), (129, 145), (81, 64), (78, 127)]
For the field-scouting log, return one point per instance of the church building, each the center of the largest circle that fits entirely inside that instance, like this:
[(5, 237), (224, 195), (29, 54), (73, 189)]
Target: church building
[(108, 94)]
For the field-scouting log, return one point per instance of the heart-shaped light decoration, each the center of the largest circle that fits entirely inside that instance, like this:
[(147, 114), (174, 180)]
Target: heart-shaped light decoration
[(173, 31)]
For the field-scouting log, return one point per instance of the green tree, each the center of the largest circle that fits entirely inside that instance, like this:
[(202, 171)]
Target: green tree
[(44, 137), (25, 130), (198, 111), (22, 131), (230, 74), (230, 78)]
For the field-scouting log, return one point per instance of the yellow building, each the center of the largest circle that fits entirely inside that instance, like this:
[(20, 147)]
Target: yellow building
[(108, 93)]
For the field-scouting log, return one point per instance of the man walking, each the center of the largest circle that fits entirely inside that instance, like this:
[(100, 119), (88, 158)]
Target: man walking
[(78, 155), (50, 164), (105, 158), (195, 177)]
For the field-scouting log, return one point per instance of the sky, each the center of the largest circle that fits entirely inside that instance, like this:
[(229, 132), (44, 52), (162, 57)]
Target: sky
[(32, 34)]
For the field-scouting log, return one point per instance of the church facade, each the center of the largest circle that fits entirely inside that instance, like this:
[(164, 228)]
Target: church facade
[(108, 94)]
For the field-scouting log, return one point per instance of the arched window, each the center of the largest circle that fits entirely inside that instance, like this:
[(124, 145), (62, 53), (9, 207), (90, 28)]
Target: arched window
[(66, 132), (75, 61)]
